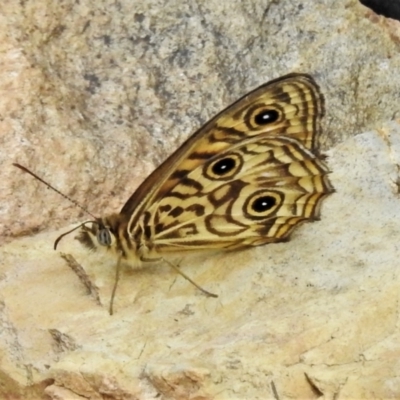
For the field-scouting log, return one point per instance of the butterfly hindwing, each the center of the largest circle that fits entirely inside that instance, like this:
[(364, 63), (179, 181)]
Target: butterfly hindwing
[(253, 193)]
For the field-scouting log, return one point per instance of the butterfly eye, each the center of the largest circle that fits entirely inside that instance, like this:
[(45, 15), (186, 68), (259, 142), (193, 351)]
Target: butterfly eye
[(104, 237), (262, 204), (266, 117), (224, 168)]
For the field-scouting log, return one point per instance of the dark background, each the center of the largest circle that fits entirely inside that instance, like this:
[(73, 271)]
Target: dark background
[(387, 8)]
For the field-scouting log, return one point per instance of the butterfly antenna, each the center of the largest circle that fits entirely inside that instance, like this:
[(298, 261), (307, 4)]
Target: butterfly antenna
[(52, 187), (71, 230)]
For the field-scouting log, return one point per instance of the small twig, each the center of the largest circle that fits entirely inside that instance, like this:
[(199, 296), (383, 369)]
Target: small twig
[(274, 391), (92, 289)]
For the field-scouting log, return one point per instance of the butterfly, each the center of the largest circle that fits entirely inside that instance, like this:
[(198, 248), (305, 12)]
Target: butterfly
[(248, 177)]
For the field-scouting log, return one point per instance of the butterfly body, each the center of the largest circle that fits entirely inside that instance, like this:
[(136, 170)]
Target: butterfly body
[(247, 178)]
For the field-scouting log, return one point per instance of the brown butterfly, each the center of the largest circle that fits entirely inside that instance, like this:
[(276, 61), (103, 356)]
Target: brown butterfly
[(248, 177)]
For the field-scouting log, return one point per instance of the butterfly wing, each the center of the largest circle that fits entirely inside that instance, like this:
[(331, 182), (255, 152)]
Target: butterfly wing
[(254, 193), (290, 107)]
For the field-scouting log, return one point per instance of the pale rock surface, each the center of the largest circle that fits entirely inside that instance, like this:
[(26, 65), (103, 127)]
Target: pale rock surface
[(314, 318), (94, 95), (92, 98)]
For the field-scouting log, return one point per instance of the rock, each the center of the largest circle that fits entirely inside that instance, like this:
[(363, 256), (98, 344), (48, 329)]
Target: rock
[(313, 317), (94, 98)]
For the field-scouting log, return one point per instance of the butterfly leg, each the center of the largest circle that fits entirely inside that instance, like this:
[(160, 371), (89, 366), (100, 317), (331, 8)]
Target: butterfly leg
[(177, 269), (117, 272)]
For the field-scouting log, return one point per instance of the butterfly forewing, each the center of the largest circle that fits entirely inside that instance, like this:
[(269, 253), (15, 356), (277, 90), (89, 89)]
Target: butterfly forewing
[(294, 100)]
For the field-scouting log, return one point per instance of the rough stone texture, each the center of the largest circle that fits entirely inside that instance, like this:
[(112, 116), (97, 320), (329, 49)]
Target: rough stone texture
[(93, 96), (317, 317)]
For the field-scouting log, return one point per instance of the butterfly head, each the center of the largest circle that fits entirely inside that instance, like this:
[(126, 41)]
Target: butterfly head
[(100, 233)]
